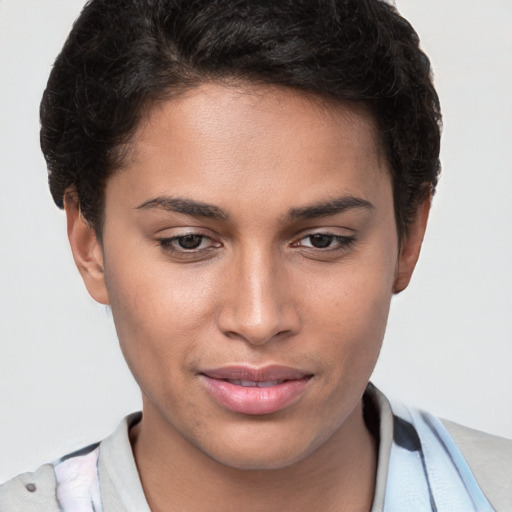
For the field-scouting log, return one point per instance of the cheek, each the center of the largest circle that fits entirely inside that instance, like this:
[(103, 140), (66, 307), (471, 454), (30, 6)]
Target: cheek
[(351, 306), (159, 315), (354, 299), (356, 331)]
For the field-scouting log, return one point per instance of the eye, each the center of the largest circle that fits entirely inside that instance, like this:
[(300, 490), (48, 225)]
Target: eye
[(325, 241), (188, 243), (320, 240)]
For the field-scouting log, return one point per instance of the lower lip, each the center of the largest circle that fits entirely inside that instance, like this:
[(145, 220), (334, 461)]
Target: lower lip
[(253, 400)]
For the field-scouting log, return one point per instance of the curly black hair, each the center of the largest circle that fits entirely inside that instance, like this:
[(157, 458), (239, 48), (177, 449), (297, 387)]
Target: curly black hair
[(122, 55)]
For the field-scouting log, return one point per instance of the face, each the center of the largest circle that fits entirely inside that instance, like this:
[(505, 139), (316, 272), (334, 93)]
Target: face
[(249, 256)]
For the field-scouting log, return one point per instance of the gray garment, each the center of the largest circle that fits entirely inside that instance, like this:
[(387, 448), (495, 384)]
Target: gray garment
[(490, 459)]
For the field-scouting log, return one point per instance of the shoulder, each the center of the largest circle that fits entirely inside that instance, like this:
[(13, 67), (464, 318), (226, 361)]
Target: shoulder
[(54, 487), (73, 482), (30, 492), (426, 459), (490, 460)]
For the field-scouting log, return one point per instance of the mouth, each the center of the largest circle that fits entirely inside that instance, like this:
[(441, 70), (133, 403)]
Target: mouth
[(254, 391), (254, 384)]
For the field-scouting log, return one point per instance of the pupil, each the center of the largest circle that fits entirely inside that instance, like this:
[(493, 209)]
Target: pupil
[(321, 241), (190, 241)]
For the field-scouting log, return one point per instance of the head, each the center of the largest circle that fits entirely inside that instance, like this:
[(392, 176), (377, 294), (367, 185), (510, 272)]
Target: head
[(246, 183), (123, 57)]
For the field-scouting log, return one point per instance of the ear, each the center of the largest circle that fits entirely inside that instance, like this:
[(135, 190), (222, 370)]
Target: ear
[(411, 246), (87, 251)]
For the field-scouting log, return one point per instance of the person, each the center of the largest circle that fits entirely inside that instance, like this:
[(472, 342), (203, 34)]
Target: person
[(246, 184)]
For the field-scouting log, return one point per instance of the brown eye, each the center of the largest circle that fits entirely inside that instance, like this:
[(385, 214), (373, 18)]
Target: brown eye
[(189, 241), (189, 246), (325, 242), (320, 240)]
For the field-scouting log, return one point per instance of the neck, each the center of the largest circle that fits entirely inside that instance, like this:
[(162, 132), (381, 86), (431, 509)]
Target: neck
[(176, 476)]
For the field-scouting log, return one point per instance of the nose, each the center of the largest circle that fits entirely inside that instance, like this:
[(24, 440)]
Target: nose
[(258, 304)]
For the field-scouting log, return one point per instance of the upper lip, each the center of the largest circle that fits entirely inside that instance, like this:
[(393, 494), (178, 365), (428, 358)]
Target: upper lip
[(262, 374)]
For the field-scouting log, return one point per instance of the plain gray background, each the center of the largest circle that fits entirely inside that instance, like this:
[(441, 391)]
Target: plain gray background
[(63, 383)]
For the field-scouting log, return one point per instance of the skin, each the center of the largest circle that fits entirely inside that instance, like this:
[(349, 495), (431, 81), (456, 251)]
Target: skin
[(256, 291)]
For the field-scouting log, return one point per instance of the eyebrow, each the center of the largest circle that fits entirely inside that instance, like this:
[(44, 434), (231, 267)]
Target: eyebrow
[(185, 206), (329, 208), (210, 211)]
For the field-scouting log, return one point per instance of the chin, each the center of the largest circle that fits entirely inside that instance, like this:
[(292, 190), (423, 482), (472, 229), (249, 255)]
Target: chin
[(245, 462), (265, 455)]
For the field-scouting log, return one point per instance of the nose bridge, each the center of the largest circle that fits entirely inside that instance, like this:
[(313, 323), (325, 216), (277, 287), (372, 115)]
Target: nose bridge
[(257, 307)]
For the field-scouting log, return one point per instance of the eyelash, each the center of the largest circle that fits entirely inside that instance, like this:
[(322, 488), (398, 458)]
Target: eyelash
[(169, 244), (343, 243)]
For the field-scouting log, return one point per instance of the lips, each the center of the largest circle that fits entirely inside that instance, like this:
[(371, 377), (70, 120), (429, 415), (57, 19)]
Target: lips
[(254, 391), (255, 384)]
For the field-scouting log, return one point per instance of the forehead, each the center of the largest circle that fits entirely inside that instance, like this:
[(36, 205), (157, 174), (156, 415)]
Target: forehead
[(257, 144)]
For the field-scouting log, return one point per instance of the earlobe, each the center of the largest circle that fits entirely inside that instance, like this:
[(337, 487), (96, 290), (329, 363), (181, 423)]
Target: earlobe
[(86, 249), (411, 246)]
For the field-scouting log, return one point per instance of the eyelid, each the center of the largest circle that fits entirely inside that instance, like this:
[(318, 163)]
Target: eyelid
[(343, 241), (178, 237), (341, 231), (169, 244)]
